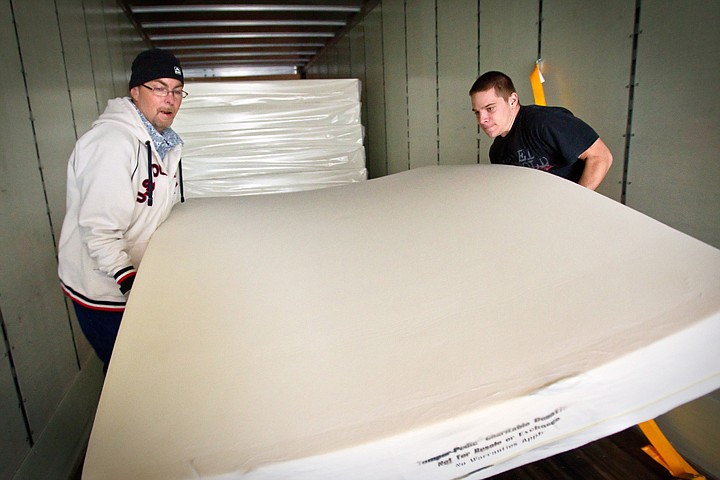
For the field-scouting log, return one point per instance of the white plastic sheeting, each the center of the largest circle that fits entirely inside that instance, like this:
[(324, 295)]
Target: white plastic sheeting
[(267, 137)]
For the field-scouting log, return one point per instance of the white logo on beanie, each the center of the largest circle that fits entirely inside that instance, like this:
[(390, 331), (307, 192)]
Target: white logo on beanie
[(178, 71)]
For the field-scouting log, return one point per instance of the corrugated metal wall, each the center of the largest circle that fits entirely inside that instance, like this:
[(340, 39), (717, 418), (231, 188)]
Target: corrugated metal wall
[(61, 60), (647, 68)]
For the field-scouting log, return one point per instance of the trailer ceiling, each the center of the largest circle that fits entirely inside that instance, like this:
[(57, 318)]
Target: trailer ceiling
[(235, 39)]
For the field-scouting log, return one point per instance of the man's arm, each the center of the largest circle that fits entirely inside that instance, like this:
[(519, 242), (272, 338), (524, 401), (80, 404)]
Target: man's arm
[(597, 163)]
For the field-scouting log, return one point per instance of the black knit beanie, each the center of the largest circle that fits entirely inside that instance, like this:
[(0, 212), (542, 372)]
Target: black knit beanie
[(153, 64)]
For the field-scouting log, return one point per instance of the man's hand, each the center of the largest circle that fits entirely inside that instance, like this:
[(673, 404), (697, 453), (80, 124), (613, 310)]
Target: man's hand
[(127, 284)]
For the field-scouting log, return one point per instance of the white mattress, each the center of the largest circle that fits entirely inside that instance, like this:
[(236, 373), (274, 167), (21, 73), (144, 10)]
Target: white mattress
[(441, 323)]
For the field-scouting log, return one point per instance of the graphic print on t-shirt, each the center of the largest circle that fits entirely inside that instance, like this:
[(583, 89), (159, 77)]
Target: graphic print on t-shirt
[(525, 158)]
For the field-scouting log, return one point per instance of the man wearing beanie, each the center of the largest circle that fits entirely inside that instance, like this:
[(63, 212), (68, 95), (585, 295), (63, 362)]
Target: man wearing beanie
[(122, 182)]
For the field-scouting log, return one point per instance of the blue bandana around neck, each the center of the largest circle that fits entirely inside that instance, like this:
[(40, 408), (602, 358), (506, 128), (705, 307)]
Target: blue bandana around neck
[(163, 141)]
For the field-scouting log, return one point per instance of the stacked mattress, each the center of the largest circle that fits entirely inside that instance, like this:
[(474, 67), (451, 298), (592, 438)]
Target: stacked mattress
[(273, 136), (441, 323)]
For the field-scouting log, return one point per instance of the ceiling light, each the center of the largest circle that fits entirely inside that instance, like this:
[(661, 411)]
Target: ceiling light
[(245, 23), (197, 36), (242, 8), (239, 71), (241, 54), (246, 46)]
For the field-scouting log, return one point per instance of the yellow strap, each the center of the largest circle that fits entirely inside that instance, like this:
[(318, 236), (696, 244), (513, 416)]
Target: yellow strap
[(536, 80), (664, 453)]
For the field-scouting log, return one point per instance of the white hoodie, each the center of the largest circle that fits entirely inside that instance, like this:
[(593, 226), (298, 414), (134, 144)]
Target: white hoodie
[(108, 221)]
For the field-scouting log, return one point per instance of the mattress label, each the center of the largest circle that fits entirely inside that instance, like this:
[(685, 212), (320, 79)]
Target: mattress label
[(496, 446)]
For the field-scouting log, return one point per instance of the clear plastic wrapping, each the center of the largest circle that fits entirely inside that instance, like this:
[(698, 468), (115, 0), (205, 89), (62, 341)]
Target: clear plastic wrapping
[(246, 138)]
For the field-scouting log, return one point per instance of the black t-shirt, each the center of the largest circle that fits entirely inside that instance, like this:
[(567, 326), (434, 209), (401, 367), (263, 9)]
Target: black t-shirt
[(545, 138)]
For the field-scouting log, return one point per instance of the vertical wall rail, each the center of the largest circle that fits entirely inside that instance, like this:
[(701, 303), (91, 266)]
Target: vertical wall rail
[(631, 97), (540, 22)]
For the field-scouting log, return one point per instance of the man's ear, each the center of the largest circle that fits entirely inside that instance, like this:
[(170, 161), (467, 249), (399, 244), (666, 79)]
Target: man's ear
[(135, 93), (513, 99)]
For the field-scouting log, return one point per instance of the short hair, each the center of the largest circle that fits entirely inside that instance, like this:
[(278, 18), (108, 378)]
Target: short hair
[(502, 84)]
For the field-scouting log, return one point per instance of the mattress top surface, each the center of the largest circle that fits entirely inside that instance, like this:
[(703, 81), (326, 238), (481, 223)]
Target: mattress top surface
[(276, 327)]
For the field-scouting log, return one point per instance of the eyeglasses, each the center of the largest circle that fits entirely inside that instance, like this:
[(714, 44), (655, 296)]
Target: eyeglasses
[(163, 92)]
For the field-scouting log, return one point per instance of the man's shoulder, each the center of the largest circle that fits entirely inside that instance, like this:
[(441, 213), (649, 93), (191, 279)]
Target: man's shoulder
[(109, 132), (118, 121), (541, 119), (541, 111)]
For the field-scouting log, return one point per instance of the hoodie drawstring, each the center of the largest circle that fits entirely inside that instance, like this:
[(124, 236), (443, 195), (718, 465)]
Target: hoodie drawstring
[(182, 191), (150, 175)]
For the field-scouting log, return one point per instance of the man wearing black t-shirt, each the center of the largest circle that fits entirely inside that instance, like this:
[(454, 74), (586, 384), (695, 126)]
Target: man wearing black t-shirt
[(546, 138)]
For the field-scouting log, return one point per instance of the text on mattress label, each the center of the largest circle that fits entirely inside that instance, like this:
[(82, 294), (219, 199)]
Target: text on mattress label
[(481, 452)]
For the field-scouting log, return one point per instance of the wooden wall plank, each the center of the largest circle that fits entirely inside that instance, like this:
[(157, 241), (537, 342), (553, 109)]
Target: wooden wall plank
[(457, 70), (589, 81), (333, 62), (99, 52), (111, 13), (14, 442), (132, 43), (40, 44), (674, 170), (376, 142), (357, 53), (396, 96), (83, 101), (343, 57), (509, 40), (33, 304), (76, 49), (24, 231), (508, 43), (422, 84)]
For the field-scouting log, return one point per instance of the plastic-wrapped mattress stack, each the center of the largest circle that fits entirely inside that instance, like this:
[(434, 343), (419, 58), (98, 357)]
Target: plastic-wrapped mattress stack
[(272, 136)]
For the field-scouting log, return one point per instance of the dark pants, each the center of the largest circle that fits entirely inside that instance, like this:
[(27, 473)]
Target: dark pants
[(100, 329)]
